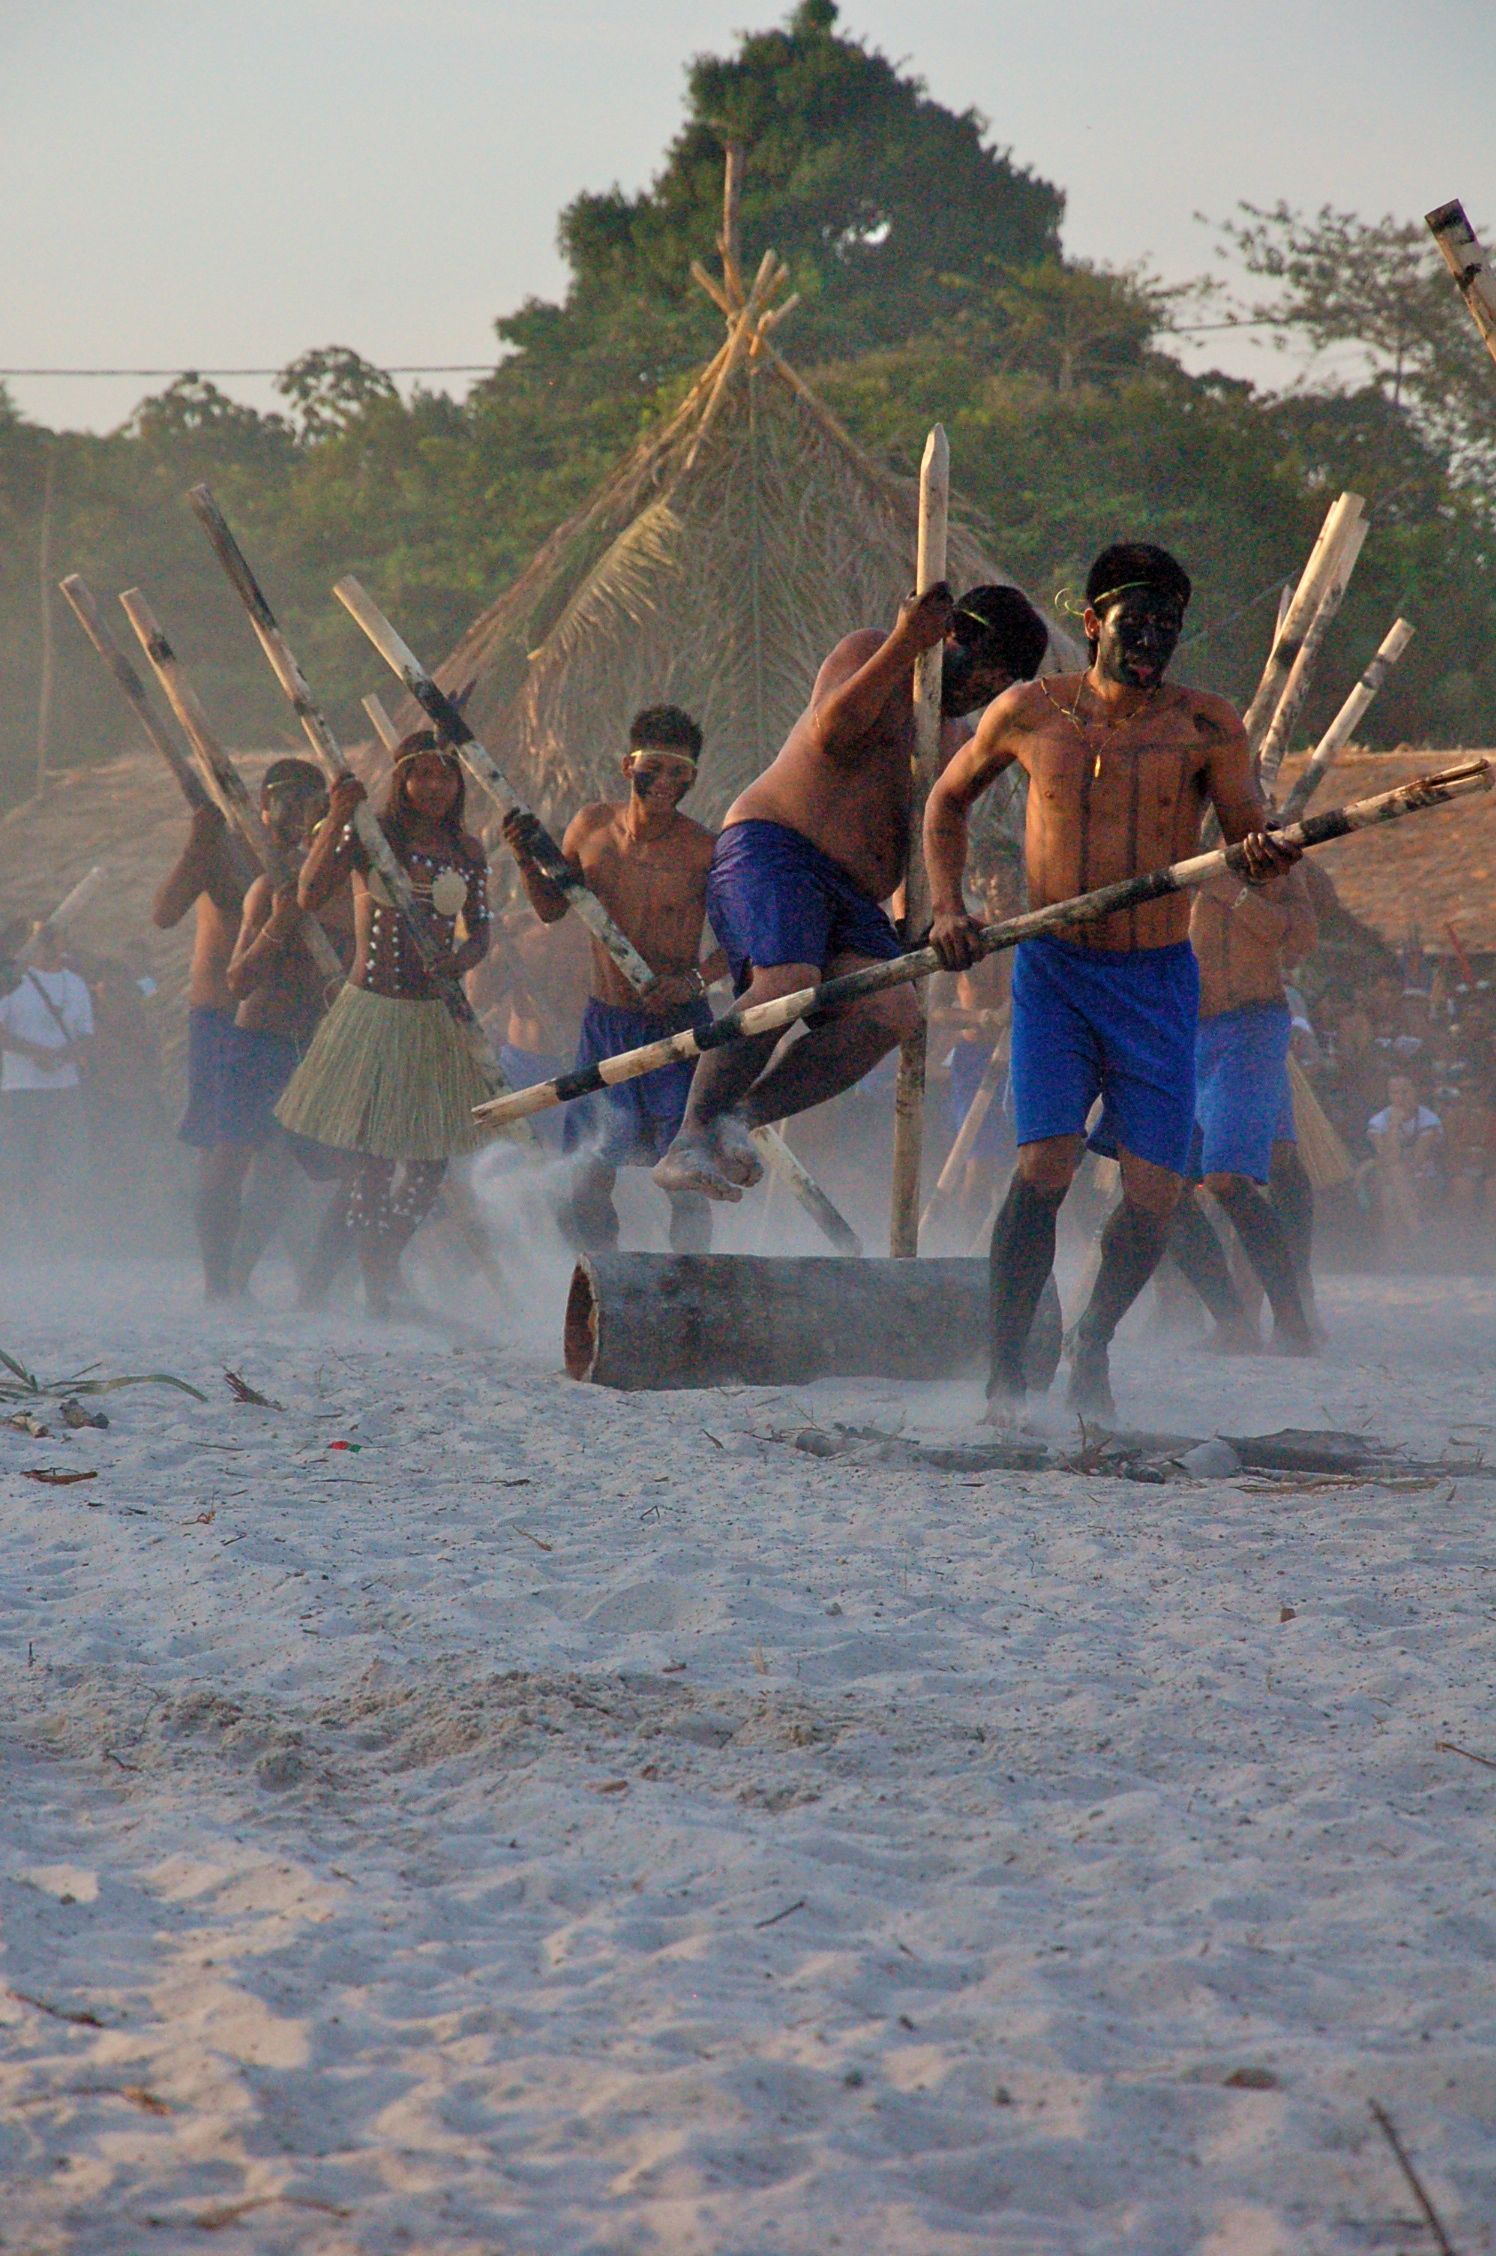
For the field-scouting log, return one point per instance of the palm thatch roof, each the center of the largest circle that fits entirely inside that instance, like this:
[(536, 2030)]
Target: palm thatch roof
[(1432, 880), (714, 568)]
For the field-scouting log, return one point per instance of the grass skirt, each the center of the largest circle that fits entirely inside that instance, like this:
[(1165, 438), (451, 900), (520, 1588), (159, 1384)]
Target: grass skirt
[(394, 1078)]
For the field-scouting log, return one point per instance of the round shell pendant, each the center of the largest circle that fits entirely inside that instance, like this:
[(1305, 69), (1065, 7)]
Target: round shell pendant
[(449, 893)]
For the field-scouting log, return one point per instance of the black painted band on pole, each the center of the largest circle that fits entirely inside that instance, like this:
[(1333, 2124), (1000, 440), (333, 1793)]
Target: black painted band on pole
[(813, 1004)]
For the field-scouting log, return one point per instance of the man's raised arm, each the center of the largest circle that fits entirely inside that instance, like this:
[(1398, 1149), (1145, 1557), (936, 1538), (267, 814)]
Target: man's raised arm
[(955, 791), (865, 673), (1241, 810)]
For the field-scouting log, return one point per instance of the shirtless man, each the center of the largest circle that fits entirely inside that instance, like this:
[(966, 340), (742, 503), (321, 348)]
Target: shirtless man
[(1121, 767), (1244, 939), (648, 865), (279, 996), (204, 879), (809, 853)]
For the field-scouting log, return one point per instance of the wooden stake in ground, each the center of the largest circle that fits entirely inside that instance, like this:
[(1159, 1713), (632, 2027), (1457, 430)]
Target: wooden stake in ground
[(1467, 262), (1394, 642), (1296, 688), (227, 781), (811, 1003), (330, 758), (909, 1090), (983, 1097), (1315, 578), (133, 691)]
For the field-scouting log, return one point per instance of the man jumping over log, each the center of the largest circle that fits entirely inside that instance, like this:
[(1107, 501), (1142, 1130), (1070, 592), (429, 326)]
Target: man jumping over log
[(648, 864), (1243, 939), (809, 853), (1121, 766)]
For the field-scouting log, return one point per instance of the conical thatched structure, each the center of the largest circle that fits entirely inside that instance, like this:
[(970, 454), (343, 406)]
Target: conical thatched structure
[(714, 568)]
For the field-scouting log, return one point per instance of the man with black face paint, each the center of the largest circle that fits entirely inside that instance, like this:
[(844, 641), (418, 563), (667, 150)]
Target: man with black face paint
[(647, 863), (1121, 766), (811, 850)]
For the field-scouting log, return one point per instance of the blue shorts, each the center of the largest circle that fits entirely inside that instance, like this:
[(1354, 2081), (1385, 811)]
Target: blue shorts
[(234, 1078), (1088, 1023), (774, 898), (522, 1069), (1242, 1094), (631, 1125), (968, 1062)]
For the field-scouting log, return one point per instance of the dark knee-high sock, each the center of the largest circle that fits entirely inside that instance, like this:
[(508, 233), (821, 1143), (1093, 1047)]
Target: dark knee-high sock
[(1131, 1246), (1266, 1247), (1292, 1195), (1197, 1252), (1022, 1258)]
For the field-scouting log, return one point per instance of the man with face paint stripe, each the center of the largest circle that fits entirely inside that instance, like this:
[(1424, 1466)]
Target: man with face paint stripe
[(648, 865), (1121, 766)]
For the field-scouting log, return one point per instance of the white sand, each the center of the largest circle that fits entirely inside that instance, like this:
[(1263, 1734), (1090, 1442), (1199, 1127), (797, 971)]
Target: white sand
[(573, 1822)]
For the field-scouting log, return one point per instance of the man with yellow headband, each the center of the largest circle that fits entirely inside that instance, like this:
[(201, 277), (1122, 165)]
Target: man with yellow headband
[(648, 865)]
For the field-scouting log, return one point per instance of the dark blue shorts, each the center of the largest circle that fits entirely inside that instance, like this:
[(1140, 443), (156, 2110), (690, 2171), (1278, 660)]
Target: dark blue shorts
[(234, 1078), (522, 1069), (774, 898), (968, 1062), (1242, 1096), (1089, 1023), (632, 1125)]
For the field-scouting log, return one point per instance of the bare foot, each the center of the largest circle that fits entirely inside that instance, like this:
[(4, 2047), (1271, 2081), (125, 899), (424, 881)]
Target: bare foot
[(1090, 1388), (1301, 1344), (694, 1163), (736, 1149), (1232, 1339), (1004, 1412)]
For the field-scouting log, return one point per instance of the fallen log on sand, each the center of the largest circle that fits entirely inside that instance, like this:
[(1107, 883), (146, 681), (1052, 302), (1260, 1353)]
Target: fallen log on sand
[(813, 1003), (659, 1320)]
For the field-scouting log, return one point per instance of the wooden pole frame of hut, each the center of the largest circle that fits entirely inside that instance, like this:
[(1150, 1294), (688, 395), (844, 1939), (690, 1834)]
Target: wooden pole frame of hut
[(215, 762), (1393, 643), (1296, 688), (909, 1089), (1314, 579), (812, 1003), (85, 609), (334, 765), (1465, 257)]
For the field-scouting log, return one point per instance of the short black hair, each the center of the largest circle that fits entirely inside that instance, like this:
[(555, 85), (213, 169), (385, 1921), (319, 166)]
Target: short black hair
[(1134, 564), (296, 775), (1001, 623), (665, 728)]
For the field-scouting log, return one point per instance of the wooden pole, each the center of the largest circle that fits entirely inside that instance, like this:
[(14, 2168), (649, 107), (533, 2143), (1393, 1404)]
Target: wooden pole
[(66, 908), (215, 762), (382, 721), (1313, 581), (1466, 260), (811, 1003), (909, 1089), (728, 242), (330, 757), (983, 1097), (133, 691), (48, 653), (1338, 734), (1296, 688)]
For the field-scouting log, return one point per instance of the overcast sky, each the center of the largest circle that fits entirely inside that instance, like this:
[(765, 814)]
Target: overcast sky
[(225, 183)]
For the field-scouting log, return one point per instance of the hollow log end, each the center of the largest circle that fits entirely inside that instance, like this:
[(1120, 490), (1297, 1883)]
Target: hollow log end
[(580, 1330)]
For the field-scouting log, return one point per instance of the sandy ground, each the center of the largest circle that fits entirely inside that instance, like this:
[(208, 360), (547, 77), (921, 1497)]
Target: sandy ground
[(572, 1822)]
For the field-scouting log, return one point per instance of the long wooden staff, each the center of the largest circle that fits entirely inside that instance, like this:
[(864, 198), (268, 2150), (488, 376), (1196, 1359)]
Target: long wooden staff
[(1394, 642), (909, 1090), (246, 868), (334, 764), (1108, 900), (215, 762), (974, 1120), (1313, 581), (1296, 688), (1466, 260), (68, 907), (567, 879)]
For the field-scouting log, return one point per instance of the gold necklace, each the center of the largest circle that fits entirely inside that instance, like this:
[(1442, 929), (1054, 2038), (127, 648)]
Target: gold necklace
[(1071, 713)]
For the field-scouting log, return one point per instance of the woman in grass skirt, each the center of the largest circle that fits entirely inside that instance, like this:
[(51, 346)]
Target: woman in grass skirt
[(390, 1078)]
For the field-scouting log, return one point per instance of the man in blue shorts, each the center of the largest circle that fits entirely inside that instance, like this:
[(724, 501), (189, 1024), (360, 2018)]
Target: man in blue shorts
[(808, 855), (1121, 767), (1245, 939)]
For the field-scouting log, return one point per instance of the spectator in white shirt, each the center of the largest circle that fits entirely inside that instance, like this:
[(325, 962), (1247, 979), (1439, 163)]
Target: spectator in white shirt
[(46, 1023), (1407, 1138)]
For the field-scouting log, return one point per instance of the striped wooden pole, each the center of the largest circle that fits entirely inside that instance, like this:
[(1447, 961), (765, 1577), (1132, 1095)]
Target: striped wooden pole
[(812, 1003), (1296, 688), (1313, 581), (1467, 262), (909, 1089), (1394, 642), (133, 690), (226, 779)]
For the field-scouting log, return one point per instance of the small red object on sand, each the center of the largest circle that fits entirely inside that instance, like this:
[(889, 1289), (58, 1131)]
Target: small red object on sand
[(355, 1446)]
